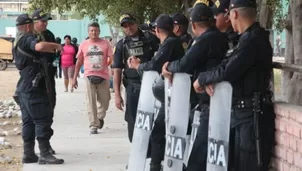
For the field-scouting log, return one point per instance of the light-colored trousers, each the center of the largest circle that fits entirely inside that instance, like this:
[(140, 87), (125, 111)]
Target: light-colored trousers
[(98, 97)]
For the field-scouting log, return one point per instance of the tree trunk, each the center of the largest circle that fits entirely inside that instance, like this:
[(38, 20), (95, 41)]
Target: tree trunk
[(289, 57), (265, 14), (294, 85)]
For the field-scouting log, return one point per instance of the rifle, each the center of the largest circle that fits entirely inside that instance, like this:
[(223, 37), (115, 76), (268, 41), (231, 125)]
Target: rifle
[(45, 73), (257, 113), (39, 76)]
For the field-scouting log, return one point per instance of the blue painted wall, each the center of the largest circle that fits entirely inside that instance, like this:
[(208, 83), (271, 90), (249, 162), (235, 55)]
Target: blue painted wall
[(60, 28)]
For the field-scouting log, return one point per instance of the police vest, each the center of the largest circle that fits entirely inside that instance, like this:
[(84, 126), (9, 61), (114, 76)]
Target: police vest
[(141, 48), (186, 40), (47, 36)]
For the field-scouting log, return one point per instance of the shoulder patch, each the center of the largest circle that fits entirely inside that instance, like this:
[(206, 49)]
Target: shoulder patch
[(194, 42), (185, 45), (114, 49), (206, 2)]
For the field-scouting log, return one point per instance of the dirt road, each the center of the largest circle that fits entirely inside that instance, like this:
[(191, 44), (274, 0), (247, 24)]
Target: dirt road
[(8, 82)]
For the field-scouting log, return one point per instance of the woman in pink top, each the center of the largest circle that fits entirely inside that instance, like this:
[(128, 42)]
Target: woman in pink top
[(68, 57)]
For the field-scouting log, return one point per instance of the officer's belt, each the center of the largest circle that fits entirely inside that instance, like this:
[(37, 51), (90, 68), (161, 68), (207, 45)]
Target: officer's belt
[(245, 103)]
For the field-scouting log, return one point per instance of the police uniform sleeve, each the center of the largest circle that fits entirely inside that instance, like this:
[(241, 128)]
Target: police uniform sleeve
[(118, 56), (232, 69), (29, 42), (192, 58), (52, 37), (155, 43), (163, 55)]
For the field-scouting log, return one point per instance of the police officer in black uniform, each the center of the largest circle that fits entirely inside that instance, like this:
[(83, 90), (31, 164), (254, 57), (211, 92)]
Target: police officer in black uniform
[(59, 70), (223, 23), (170, 49), (207, 51), (249, 70), (139, 44), (74, 41), (43, 34), (31, 89), (181, 24)]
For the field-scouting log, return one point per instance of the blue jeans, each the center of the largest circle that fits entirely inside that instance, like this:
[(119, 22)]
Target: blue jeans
[(111, 82), (82, 69)]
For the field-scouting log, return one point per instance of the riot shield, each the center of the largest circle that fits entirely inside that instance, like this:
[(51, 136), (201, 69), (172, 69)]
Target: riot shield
[(143, 124), (219, 127), (177, 122)]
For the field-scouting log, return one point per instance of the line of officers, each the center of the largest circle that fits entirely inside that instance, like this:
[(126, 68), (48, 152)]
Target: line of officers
[(228, 45)]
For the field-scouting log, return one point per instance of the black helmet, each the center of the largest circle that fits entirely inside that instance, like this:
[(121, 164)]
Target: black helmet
[(158, 89), (74, 40), (58, 40)]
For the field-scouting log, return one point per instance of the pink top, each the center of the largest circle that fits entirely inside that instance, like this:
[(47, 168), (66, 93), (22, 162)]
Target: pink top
[(67, 56), (95, 54)]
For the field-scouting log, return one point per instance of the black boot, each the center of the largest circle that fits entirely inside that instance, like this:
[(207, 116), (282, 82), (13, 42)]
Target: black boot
[(52, 151), (45, 156), (29, 155), (155, 167)]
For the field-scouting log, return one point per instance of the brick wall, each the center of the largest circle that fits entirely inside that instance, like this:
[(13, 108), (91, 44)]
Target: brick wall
[(288, 149)]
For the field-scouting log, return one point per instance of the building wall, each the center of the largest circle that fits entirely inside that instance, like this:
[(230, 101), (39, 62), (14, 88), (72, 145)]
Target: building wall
[(60, 28), (288, 149), (13, 5)]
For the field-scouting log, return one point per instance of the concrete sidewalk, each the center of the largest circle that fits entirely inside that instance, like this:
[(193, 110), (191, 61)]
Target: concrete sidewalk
[(106, 151)]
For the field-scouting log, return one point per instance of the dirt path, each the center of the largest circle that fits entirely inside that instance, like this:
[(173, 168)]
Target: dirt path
[(8, 82)]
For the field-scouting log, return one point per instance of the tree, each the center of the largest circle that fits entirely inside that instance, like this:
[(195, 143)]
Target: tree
[(143, 10), (292, 88)]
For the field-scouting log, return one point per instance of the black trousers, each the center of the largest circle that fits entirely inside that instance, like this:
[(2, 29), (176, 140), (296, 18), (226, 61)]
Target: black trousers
[(242, 149), (198, 158), (132, 97), (54, 97), (36, 116), (243, 154), (157, 139)]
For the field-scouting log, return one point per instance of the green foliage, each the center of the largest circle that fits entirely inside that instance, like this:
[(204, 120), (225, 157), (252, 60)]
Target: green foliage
[(76, 15), (143, 10), (280, 15)]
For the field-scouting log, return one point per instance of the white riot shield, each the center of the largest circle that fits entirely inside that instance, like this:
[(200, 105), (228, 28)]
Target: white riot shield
[(219, 127), (143, 123)]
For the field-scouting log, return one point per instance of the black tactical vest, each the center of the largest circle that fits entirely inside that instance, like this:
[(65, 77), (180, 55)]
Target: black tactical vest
[(141, 48)]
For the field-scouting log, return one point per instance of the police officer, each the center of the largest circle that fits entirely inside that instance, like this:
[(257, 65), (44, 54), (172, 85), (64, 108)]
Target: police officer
[(170, 49), (43, 34), (31, 89), (249, 70), (139, 44), (223, 23), (207, 51), (181, 24), (58, 60), (74, 41)]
